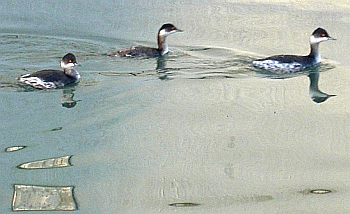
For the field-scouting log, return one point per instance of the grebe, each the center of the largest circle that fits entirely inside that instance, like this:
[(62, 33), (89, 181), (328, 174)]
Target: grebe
[(49, 79), (281, 64), (141, 51)]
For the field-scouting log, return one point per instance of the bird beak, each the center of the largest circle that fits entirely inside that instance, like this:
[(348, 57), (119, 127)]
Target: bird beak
[(330, 38)]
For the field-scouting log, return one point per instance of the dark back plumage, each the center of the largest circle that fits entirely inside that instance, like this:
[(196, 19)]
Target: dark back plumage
[(54, 76)]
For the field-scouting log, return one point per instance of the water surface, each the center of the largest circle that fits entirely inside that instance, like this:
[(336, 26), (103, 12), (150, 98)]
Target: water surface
[(197, 131)]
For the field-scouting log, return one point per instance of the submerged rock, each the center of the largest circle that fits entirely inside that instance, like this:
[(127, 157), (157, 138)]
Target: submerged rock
[(186, 204), (14, 148), (47, 163), (30, 198)]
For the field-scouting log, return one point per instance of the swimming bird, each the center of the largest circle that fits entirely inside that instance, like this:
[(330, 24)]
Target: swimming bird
[(49, 79), (141, 51), (282, 64)]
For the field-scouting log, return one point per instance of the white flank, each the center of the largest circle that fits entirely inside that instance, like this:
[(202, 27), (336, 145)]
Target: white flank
[(277, 67), (36, 82)]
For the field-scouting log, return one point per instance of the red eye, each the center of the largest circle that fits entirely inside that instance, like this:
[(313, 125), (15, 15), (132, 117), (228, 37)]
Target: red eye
[(323, 35), (173, 28), (70, 61)]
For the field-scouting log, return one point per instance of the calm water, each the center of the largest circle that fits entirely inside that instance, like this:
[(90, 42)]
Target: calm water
[(199, 127)]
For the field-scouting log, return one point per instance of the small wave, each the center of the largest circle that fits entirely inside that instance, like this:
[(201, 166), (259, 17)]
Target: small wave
[(191, 63)]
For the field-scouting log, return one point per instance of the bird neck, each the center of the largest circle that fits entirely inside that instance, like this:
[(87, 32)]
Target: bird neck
[(314, 53), (72, 73), (162, 45)]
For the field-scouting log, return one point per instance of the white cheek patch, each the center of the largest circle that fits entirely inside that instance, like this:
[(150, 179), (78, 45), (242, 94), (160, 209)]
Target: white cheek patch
[(163, 33), (69, 65), (314, 40)]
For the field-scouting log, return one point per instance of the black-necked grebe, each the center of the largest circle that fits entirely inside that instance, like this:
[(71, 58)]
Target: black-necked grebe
[(49, 79), (282, 64), (141, 51)]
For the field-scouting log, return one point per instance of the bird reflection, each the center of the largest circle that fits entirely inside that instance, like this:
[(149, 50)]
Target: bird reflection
[(314, 75), (67, 100), (316, 95), (161, 70), (161, 63)]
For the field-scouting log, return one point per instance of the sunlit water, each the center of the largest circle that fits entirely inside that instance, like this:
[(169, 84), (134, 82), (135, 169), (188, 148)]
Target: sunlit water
[(199, 130)]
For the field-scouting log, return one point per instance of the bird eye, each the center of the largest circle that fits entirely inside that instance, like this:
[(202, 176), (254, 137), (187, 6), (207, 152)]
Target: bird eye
[(173, 28), (323, 35)]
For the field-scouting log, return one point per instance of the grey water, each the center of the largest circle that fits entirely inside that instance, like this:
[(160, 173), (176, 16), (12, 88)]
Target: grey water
[(199, 130)]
